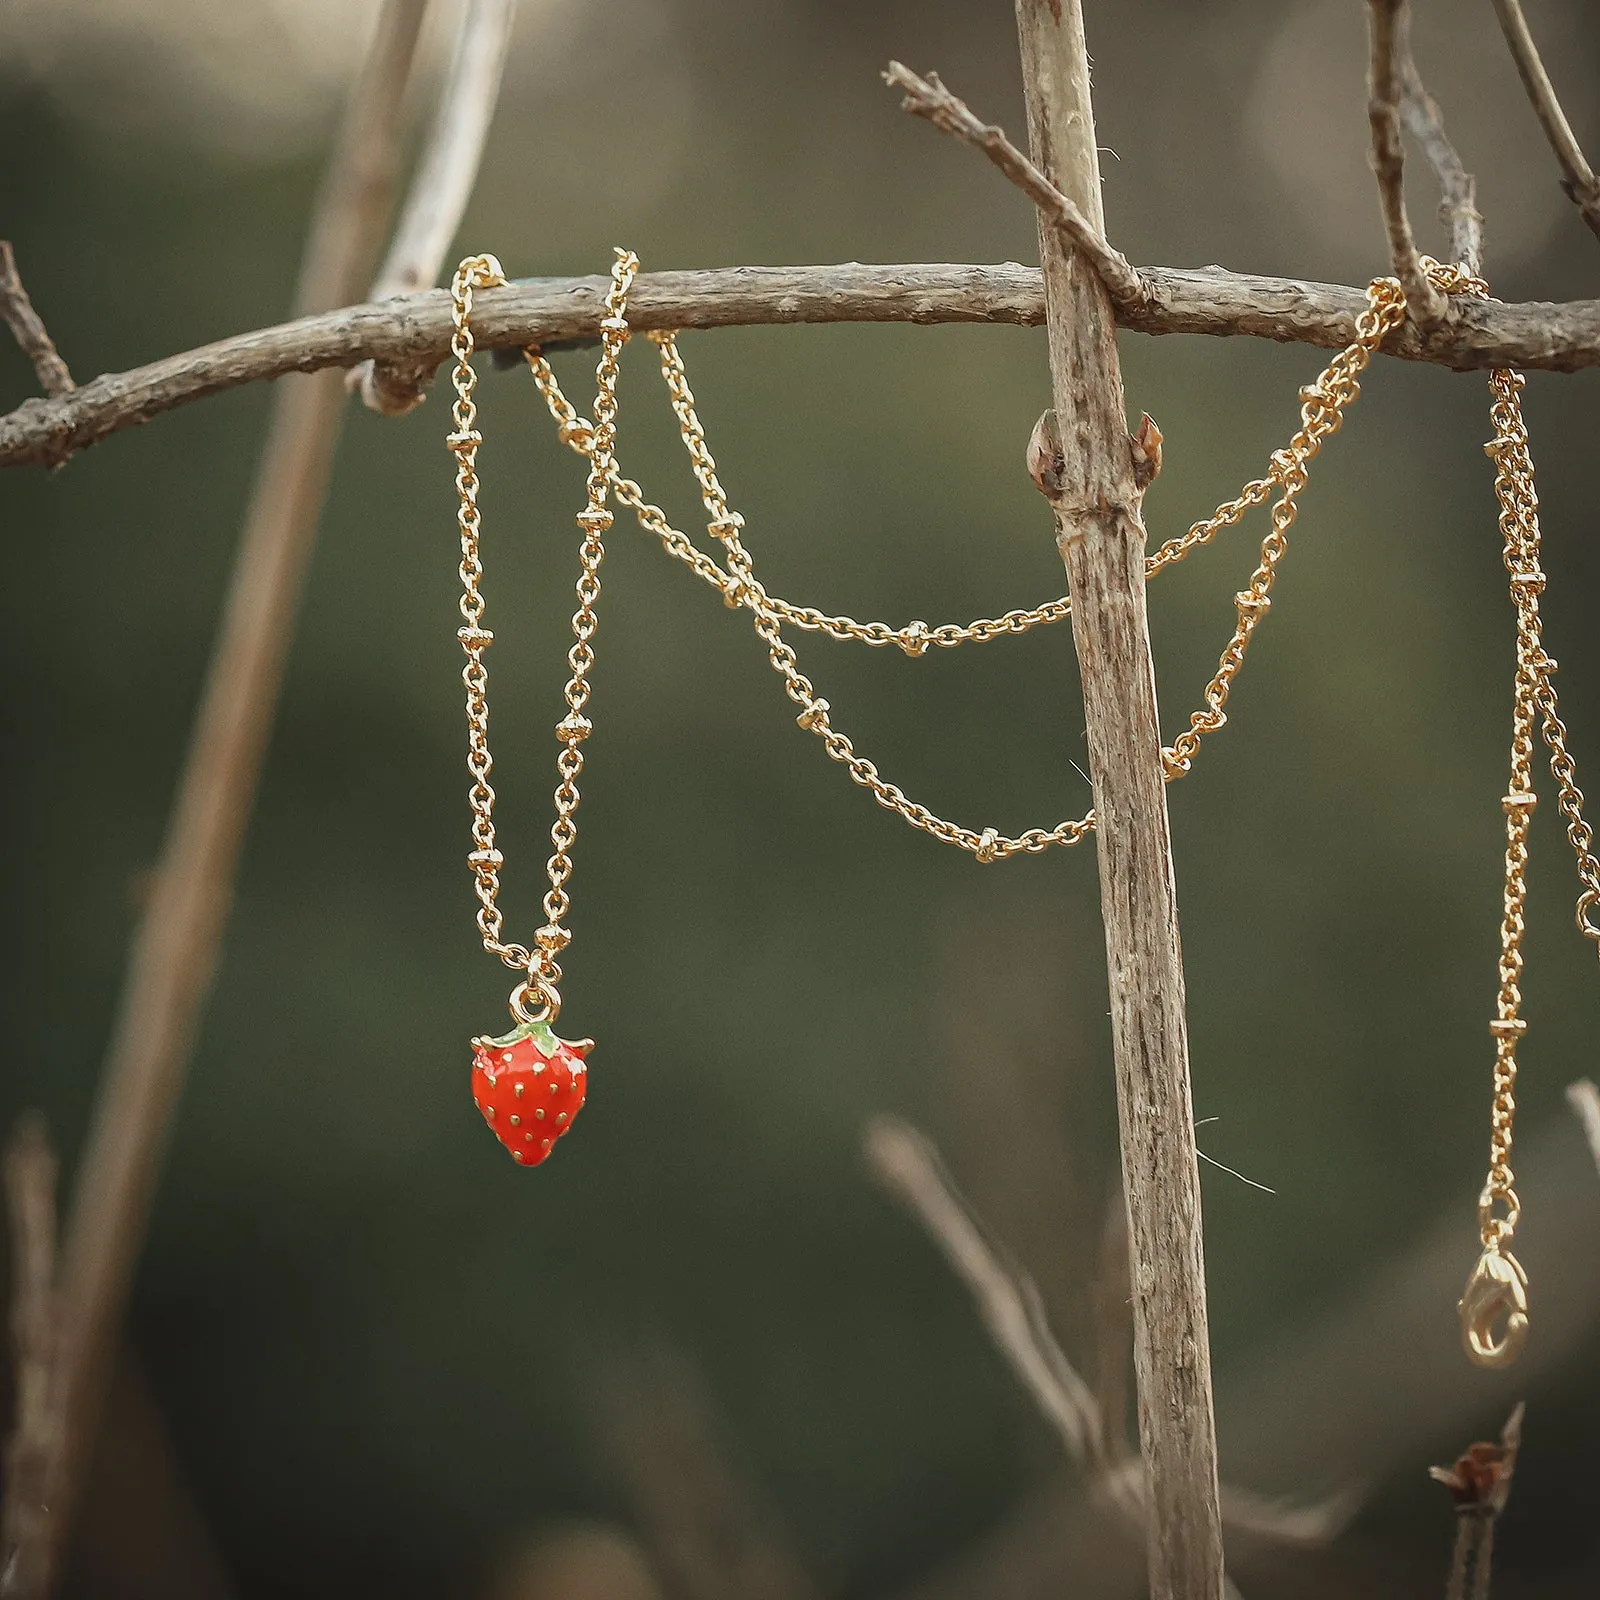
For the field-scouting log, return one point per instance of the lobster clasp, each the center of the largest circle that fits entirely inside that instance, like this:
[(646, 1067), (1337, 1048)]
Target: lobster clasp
[(1497, 1288)]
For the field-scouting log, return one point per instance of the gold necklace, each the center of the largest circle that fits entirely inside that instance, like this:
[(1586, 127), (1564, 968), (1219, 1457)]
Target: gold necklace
[(522, 1068)]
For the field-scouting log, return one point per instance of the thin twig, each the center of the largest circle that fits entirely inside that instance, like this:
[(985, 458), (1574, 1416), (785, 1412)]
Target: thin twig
[(1480, 1484), (928, 98), (415, 329), (175, 950), (440, 190), (1578, 178), (1389, 28), (1458, 189), (28, 327), (1584, 1098), (30, 1177), (909, 1167)]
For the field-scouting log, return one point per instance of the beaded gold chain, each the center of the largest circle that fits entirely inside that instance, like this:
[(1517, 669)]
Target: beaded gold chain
[(1493, 1309)]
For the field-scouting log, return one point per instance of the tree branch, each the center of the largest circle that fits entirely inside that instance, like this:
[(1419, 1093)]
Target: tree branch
[(28, 327), (415, 329), (928, 98), (1095, 498), (1458, 204), (174, 951), (439, 192), (1578, 179), (30, 1178), (1389, 26)]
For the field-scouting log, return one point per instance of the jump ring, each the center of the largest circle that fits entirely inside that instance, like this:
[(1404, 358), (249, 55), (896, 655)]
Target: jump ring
[(546, 1005)]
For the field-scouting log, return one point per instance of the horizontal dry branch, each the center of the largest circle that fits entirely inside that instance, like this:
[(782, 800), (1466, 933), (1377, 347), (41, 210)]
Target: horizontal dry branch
[(415, 329)]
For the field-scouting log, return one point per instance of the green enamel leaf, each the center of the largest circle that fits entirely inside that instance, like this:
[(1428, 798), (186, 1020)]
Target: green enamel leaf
[(544, 1041)]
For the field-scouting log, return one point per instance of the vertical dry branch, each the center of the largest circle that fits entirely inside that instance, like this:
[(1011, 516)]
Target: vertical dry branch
[(1578, 179), (1389, 29), (449, 165), (1458, 189), (30, 1180), (175, 950), (1095, 495), (440, 190)]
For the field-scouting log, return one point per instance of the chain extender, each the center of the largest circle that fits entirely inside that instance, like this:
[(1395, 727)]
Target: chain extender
[(1494, 1306)]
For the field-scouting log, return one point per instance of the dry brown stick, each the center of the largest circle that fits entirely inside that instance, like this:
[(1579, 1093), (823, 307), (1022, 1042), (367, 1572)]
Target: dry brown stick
[(1389, 24), (1480, 1485), (1584, 1098), (30, 1176), (1458, 203), (1578, 178), (928, 98), (175, 949), (28, 327), (415, 329), (440, 191), (1095, 497)]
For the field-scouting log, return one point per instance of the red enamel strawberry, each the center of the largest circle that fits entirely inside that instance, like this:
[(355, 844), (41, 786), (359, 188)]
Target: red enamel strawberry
[(530, 1088)]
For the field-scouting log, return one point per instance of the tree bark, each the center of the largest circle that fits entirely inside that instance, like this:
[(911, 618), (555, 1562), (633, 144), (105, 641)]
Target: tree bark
[(1095, 494), (413, 331)]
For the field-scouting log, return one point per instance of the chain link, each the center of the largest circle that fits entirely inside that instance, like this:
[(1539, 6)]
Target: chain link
[(1322, 408), (1534, 698), (538, 998)]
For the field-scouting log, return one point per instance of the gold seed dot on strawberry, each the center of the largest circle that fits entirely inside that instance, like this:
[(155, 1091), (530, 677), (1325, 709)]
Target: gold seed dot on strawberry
[(502, 1070)]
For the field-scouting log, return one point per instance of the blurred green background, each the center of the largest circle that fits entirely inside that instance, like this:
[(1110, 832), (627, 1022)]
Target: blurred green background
[(366, 1354)]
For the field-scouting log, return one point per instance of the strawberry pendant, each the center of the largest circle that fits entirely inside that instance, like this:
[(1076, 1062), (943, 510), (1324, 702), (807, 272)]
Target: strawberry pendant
[(530, 1088)]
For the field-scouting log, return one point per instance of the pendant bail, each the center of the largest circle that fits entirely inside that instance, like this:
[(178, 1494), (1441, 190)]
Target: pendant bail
[(535, 1000)]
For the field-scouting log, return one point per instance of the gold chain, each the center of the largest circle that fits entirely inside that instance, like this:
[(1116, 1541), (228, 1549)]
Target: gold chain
[(1322, 409), (537, 998), (1494, 1306)]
